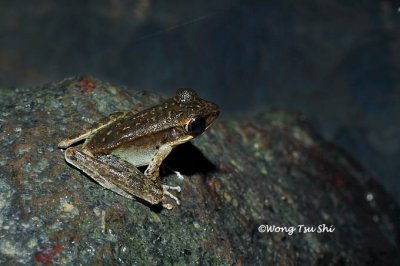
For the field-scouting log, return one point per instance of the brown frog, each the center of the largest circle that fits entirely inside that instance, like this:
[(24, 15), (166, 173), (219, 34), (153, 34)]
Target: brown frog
[(114, 149)]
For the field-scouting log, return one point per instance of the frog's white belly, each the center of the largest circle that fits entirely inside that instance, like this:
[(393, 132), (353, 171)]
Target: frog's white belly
[(136, 156)]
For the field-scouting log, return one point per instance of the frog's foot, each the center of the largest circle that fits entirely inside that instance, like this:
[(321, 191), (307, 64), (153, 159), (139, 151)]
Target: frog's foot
[(169, 194)]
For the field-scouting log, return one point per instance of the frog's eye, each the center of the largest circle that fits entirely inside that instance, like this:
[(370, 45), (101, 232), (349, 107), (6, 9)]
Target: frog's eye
[(196, 126)]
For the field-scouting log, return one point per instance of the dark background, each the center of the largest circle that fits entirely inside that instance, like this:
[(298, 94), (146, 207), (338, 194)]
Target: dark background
[(335, 61)]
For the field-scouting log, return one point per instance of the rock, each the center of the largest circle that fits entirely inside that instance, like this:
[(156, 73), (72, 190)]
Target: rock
[(240, 176)]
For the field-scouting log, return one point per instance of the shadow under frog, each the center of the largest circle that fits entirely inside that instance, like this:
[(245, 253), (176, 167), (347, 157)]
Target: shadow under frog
[(114, 149)]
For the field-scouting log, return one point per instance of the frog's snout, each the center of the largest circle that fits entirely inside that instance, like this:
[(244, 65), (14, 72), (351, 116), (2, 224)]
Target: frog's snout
[(213, 114)]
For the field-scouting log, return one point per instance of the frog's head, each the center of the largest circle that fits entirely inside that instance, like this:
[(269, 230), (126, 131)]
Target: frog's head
[(198, 114)]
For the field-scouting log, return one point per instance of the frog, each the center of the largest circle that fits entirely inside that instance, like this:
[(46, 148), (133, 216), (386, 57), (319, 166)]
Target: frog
[(114, 148)]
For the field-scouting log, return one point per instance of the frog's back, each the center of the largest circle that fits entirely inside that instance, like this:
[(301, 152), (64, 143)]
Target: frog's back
[(174, 112), (126, 129)]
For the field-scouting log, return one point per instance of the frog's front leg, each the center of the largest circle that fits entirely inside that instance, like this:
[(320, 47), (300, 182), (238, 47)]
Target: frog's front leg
[(117, 175), (152, 171)]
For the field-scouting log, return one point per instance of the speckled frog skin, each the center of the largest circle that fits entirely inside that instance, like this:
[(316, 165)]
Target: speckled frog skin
[(114, 149)]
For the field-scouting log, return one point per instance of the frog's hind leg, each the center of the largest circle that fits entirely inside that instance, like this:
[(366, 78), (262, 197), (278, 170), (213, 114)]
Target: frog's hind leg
[(65, 143), (116, 175)]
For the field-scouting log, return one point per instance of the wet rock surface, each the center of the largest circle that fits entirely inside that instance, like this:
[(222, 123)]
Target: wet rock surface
[(271, 169)]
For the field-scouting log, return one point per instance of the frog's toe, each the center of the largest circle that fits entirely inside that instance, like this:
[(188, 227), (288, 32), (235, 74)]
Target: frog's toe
[(168, 206), (166, 187), (167, 193)]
